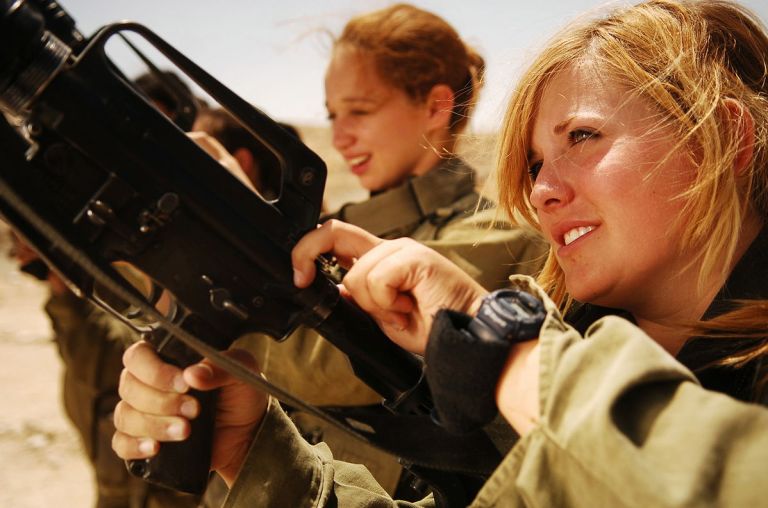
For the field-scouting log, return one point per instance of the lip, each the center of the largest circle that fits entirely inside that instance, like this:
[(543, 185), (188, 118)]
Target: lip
[(561, 228)]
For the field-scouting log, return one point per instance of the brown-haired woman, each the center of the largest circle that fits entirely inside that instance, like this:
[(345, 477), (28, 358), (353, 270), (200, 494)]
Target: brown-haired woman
[(400, 89)]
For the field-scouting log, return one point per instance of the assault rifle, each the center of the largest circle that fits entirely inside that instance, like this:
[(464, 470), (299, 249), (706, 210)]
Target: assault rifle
[(96, 178)]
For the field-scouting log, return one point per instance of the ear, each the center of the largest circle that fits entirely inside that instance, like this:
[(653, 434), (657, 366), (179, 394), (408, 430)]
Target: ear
[(744, 125), (439, 102)]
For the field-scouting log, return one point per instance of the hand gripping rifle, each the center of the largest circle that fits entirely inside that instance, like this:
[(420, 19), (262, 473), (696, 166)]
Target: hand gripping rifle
[(95, 177)]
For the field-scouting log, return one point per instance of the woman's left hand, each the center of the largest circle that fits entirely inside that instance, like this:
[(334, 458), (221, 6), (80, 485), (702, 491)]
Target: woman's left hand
[(400, 283)]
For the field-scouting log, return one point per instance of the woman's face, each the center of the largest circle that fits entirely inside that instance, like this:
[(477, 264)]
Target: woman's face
[(377, 128), (606, 178)]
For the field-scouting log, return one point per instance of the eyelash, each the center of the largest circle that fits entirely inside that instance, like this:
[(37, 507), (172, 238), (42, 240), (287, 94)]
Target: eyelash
[(574, 138), (533, 170), (355, 112)]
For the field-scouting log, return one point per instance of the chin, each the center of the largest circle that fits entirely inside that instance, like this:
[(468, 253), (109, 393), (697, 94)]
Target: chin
[(589, 293)]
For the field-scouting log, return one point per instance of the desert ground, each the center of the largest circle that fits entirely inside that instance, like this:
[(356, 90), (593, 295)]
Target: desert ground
[(42, 463)]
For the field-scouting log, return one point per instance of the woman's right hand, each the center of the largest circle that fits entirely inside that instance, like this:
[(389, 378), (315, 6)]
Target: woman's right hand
[(400, 283), (155, 407)]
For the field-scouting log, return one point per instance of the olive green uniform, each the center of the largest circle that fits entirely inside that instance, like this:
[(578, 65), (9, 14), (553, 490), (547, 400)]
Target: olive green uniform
[(622, 423), (439, 210)]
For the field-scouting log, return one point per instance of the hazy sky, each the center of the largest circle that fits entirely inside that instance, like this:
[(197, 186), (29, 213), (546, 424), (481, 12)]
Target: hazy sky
[(273, 53)]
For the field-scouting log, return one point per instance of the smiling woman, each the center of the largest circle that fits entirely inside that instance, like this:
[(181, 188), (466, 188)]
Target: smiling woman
[(401, 85), (605, 200), (662, 161), (400, 88)]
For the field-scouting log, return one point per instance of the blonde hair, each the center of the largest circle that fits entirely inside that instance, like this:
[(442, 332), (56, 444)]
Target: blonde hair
[(687, 58), (414, 50)]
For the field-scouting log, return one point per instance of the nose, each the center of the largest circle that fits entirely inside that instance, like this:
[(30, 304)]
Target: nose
[(551, 189), (342, 136)]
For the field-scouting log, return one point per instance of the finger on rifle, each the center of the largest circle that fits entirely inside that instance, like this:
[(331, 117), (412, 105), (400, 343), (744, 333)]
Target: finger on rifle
[(149, 400), (205, 375), (392, 278), (370, 286), (142, 361), (135, 423), (129, 447), (344, 241)]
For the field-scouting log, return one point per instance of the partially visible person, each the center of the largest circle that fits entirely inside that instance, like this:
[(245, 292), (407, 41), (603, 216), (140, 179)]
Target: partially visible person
[(400, 88), (638, 143), (171, 95), (258, 163)]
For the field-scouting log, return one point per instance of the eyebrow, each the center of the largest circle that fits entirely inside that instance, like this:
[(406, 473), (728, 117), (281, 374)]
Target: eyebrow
[(356, 100), (558, 129)]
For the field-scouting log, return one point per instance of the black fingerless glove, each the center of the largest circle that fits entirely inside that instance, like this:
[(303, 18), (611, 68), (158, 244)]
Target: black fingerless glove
[(465, 356), (462, 373)]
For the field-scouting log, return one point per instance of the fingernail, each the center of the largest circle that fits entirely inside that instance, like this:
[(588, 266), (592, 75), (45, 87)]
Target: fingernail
[(189, 408), (179, 385), (395, 326), (147, 446), (176, 431)]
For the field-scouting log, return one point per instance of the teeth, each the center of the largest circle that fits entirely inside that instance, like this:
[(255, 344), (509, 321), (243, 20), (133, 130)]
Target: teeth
[(576, 233), (358, 160)]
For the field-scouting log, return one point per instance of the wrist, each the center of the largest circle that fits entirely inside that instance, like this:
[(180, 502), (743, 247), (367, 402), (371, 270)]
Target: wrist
[(517, 392), (467, 355)]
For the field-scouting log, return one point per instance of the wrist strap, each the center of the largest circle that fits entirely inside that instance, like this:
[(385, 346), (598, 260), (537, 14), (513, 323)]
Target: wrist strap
[(462, 373)]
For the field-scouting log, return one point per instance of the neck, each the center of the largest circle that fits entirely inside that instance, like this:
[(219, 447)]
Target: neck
[(668, 320), (439, 144)]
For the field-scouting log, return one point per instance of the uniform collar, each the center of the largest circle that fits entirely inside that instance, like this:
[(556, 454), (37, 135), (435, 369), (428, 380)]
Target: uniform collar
[(398, 211)]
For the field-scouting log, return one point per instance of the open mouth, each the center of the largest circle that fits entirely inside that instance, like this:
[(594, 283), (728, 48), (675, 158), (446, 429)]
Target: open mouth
[(358, 161), (574, 234)]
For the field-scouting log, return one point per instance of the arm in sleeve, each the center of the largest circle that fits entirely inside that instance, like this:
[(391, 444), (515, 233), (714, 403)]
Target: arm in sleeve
[(624, 424), (282, 469)]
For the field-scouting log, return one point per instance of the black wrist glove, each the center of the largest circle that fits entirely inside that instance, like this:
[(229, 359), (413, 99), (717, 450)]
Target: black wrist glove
[(465, 356), (462, 372)]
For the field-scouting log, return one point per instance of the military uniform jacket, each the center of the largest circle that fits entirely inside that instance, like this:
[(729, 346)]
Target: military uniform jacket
[(439, 210), (91, 346), (622, 423)]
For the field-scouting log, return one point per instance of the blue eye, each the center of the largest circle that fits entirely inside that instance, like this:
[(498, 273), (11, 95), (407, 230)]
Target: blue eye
[(533, 170), (579, 135)]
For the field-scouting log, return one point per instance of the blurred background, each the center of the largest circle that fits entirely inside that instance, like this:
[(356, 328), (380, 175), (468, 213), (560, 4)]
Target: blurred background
[(273, 54)]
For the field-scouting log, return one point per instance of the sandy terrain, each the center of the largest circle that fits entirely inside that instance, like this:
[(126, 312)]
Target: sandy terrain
[(42, 463)]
